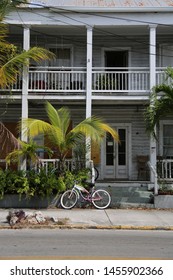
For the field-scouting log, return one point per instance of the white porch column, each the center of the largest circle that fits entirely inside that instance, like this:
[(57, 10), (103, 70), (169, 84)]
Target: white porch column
[(89, 84), (25, 82), (152, 51), (89, 72)]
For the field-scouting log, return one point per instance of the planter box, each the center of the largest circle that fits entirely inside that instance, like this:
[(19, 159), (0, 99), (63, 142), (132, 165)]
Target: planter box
[(13, 201), (163, 201)]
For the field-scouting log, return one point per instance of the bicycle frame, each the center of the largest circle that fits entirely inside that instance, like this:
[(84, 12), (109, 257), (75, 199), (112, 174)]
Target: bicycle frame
[(80, 190), (99, 198)]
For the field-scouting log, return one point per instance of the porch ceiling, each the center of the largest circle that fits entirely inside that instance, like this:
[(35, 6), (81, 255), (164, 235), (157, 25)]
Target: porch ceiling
[(40, 102), (81, 30)]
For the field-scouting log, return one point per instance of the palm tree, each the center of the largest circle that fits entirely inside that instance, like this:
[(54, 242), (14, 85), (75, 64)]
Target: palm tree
[(7, 5), (160, 107), (58, 130), (11, 59), (26, 151)]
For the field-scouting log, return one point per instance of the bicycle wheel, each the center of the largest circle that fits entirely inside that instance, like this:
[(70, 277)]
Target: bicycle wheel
[(69, 199), (101, 199)]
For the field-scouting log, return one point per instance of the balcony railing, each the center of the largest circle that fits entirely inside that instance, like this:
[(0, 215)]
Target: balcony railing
[(119, 81), (54, 164), (53, 80), (105, 81), (165, 169)]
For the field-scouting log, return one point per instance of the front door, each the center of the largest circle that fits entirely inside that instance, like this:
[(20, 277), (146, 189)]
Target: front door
[(119, 60), (116, 58), (115, 157)]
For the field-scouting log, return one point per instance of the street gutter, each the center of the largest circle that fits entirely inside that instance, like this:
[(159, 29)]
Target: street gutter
[(113, 227)]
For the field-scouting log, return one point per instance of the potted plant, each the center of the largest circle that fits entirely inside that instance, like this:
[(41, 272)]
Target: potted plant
[(105, 81), (164, 199)]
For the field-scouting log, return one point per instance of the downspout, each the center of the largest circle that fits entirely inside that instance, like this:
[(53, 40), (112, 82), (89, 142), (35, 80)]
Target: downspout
[(153, 170)]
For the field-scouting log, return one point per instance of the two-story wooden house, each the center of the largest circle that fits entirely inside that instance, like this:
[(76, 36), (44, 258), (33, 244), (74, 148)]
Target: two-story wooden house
[(109, 55)]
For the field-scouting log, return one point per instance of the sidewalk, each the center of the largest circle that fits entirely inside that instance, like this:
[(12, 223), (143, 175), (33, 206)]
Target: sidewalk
[(139, 219)]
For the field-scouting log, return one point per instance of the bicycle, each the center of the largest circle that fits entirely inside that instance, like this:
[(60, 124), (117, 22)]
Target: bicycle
[(100, 198)]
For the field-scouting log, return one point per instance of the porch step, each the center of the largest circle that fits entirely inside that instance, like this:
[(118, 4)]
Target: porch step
[(129, 195)]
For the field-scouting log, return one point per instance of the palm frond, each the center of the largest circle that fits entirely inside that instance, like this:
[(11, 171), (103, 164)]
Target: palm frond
[(3, 32), (159, 106), (27, 150), (110, 130), (64, 115), (53, 115), (14, 156), (8, 141), (167, 90), (58, 118), (56, 136), (169, 72), (34, 127), (7, 5), (95, 129), (10, 70)]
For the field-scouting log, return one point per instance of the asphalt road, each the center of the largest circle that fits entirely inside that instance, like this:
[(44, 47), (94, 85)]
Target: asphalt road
[(86, 243)]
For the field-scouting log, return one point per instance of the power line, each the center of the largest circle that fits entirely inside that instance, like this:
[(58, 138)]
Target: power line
[(97, 29), (98, 15)]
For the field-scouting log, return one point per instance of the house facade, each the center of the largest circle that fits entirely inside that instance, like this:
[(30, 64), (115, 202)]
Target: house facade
[(109, 55)]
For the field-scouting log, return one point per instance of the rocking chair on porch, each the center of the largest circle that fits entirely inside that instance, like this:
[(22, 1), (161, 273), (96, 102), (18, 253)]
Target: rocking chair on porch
[(143, 170)]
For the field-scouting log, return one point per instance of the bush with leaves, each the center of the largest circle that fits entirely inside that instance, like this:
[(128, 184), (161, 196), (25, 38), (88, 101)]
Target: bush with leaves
[(38, 184), (161, 103), (15, 182), (2, 183), (80, 177), (42, 184)]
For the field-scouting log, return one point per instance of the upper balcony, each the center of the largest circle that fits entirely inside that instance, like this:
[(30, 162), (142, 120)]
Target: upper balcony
[(69, 82)]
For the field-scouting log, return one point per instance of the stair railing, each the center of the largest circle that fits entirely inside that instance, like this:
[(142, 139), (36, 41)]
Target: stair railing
[(155, 177)]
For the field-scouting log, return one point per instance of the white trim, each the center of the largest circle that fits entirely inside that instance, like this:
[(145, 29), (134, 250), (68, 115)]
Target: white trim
[(56, 97), (66, 9), (152, 54)]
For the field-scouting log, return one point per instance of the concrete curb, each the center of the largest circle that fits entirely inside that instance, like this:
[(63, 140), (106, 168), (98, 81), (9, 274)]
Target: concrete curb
[(115, 227)]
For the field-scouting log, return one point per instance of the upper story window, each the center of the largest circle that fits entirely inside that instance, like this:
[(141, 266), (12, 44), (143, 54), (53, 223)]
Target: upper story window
[(168, 140), (63, 57), (166, 55)]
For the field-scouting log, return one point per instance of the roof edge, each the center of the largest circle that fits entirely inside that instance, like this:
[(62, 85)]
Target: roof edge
[(111, 10)]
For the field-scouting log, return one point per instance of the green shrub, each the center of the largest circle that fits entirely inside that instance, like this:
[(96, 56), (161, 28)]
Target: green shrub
[(42, 184), (15, 182), (2, 183)]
